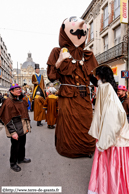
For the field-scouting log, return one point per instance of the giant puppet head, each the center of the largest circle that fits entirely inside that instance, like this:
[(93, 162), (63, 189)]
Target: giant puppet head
[(76, 30)]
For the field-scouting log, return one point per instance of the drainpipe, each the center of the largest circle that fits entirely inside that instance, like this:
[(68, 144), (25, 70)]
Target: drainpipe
[(17, 73)]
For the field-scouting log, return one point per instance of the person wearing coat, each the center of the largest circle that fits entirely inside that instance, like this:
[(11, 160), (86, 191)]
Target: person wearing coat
[(121, 92), (14, 115), (51, 105), (38, 81), (39, 112), (110, 169), (71, 64)]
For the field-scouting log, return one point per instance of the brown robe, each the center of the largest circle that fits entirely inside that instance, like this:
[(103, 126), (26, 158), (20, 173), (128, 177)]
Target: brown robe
[(51, 104), (41, 85), (13, 108), (75, 112), (126, 105), (39, 112), (26, 99)]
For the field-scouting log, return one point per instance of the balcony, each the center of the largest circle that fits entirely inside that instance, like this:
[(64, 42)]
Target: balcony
[(113, 53)]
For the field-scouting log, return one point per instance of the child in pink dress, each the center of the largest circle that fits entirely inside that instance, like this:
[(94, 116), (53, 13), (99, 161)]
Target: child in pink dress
[(110, 169)]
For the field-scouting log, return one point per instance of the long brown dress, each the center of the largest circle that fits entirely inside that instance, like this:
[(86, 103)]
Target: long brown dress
[(39, 112), (75, 112), (51, 104)]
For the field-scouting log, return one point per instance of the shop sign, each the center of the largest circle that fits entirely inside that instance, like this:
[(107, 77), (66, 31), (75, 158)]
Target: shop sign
[(125, 74), (124, 11), (114, 69)]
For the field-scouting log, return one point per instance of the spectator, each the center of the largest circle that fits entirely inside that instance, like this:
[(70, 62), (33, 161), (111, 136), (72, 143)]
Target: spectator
[(121, 92), (14, 115)]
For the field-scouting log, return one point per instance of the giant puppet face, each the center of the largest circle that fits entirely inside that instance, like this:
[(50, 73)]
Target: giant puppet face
[(76, 30)]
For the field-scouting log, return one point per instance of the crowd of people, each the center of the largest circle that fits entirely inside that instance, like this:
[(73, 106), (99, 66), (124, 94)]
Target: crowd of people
[(14, 114), (79, 132)]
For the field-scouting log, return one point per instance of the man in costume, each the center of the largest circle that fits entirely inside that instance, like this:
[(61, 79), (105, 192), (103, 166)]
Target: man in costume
[(72, 66), (51, 89), (121, 92), (51, 105), (39, 112), (14, 115), (29, 101), (38, 81)]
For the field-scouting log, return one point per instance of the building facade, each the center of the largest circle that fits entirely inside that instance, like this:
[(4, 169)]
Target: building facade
[(107, 37), (27, 69), (6, 66)]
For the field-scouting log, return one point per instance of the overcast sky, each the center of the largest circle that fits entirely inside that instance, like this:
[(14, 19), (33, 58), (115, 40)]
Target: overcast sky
[(33, 26)]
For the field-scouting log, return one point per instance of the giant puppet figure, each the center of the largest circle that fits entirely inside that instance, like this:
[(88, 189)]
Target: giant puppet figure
[(38, 81), (72, 66)]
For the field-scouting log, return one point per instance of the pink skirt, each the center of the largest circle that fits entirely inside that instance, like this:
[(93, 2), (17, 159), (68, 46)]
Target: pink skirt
[(110, 172)]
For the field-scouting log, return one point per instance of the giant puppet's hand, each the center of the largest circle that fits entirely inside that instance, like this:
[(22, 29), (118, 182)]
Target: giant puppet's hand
[(62, 56)]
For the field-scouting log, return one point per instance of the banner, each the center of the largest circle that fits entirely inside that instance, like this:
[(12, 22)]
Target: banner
[(124, 11), (124, 74), (114, 69)]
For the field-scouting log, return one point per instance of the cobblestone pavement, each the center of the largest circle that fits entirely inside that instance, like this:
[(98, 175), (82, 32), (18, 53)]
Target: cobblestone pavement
[(47, 168)]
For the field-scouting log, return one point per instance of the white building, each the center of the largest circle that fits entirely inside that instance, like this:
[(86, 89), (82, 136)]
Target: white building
[(27, 69), (5, 68), (107, 37)]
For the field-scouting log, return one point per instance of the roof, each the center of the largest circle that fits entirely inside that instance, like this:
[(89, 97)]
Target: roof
[(29, 62), (17, 70), (88, 9), (43, 71)]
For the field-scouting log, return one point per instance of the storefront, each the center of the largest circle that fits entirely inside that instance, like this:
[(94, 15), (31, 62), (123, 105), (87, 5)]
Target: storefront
[(117, 67)]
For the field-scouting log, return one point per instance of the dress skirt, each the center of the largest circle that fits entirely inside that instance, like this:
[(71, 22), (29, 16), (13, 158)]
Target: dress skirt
[(110, 172), (73, 123)]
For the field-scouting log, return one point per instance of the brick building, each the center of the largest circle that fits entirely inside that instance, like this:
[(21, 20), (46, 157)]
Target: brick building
[(107, 37), (6, 65)]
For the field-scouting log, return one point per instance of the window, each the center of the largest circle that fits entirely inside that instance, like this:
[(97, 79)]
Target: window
[(3, 83), (116, 8), (91, 31), (105, 43), (30, 81), (24, 80), (105, 19), (117, 35)]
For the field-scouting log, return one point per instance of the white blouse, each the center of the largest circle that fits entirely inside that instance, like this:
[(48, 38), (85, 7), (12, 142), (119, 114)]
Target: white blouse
[(109, 125)]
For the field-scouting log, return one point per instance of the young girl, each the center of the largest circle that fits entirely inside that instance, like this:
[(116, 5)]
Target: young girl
[(110, 170)]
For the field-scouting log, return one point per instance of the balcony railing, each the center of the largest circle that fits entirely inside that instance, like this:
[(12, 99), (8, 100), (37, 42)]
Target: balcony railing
[(113, 53)]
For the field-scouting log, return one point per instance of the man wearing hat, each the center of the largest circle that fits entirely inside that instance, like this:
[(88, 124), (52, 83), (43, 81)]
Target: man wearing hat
[(123, 98), (38, 81), (14, 115)]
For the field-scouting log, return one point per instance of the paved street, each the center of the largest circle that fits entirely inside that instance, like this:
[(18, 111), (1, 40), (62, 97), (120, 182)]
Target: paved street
[(47, 168)]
